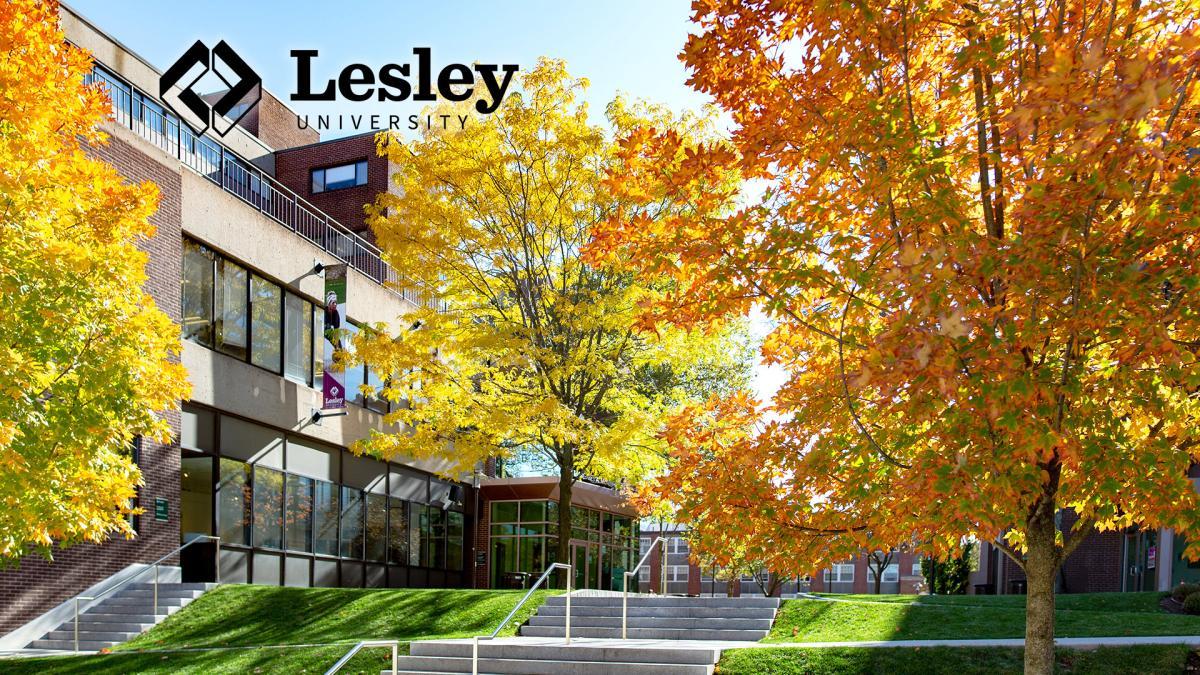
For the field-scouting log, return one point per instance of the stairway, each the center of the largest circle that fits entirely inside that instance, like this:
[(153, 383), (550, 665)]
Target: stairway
[(121, 616), (657, 618), (666, 636)]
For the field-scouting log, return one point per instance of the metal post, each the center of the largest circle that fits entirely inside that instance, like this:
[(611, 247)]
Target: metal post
[(662, 564), (624, 603), (155, 612), (567, 631), (77, 624), (395, 657), (475, 655), (218, 560)]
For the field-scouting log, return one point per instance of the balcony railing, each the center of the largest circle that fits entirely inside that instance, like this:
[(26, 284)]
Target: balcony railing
[(147, 118)]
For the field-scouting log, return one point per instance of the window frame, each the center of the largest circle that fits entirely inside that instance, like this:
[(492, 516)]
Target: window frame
[(323, 170)]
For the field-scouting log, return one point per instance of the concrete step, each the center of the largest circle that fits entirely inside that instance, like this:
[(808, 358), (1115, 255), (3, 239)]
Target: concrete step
[(191, 586), (88, 624), (661, 601), (647, 633), (561, 652), (113, 636), (148, 593), (68, 645), (121, 617), (676, 612), (147, 600), (654, 622), (530, 666)]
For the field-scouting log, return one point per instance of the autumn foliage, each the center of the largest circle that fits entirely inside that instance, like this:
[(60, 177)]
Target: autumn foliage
[(976, 227), (86, 354)]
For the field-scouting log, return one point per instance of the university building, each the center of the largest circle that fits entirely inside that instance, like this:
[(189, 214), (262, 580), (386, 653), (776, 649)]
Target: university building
[(248, 225)]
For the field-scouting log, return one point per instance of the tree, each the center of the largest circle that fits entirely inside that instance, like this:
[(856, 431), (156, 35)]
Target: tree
[(877, 562), (88, 358), (950, 576), (977, 230), (538, 351)]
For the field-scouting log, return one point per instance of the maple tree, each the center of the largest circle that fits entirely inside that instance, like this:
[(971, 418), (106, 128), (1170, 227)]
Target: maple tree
[(87, 355), (537, 350), (977, 232)]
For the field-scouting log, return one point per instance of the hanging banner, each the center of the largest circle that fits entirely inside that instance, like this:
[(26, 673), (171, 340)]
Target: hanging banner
[(333, 391)]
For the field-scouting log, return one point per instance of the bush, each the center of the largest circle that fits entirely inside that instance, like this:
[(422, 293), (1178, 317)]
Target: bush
[(1191, 604), (1183, 590)]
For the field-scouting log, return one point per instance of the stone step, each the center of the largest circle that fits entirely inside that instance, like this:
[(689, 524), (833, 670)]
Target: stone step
[(142, 602), (529, 666), (560, 652), (654, 622), (112, 636), (647, 633), (660, 601), (119, 617), (693, 612), (148, 593), (89, 624), (68, 645), (191, 586)]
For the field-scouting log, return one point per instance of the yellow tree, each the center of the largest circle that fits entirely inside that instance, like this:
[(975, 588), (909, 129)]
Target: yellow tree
[(87, 355), (978, 234), (539, 352)]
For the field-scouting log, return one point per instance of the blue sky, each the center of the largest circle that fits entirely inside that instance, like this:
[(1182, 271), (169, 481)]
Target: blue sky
[(621, 46)]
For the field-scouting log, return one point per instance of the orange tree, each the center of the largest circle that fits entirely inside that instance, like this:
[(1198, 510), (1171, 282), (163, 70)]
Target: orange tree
[(977, 232), (87, 357)]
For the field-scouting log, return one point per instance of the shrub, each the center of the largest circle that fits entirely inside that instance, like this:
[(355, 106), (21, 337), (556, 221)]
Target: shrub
[(1183, 590), (1191, 604)]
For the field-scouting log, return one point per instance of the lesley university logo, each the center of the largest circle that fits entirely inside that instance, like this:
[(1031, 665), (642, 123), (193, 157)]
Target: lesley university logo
[(242, 93)]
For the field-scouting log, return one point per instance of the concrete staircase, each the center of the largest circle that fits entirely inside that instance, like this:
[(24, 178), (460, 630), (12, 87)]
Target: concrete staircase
[(121, 616), (657, 618), (666, 636)]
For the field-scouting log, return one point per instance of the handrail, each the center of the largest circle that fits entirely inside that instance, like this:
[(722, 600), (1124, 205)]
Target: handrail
[(567, 625), (154, 565), (633, 573), (394, 644)]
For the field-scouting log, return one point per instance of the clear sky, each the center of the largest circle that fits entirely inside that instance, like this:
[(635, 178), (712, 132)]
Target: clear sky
[(622, 46)]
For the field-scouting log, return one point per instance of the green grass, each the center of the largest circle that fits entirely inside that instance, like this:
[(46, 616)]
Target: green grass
[(968, 616), (1140, 660), (239, 616)]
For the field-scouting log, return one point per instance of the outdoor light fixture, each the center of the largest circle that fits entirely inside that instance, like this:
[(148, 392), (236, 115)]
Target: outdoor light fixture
[(318, 268), (318, 415)]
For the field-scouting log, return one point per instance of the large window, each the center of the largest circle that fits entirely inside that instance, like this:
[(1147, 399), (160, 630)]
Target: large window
[(338, 177), (524, 534), (376, 527), (325, 518), (233, 499), (268, 507), (297, 339), (197, 297), (230, 308), (299, 520), (398, 532), (266, 335), (841, 573), (352, 522)]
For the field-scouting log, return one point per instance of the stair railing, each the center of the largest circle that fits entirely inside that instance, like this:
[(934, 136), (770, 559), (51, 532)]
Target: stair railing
[(155, 565), (633, 573), (567, 624), (394, 644)]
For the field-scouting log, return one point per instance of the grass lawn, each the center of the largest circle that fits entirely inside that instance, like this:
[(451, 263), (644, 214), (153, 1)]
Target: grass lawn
[(249, 616), (907, 617), (1141, 660)]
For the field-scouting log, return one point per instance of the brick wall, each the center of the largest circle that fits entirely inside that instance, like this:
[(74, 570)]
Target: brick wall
[(1094, 567), (36, 585), (294, 168)]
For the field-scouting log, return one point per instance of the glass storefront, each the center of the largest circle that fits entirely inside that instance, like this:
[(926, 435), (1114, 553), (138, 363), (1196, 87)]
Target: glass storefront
[(524, 540), (294, 512)]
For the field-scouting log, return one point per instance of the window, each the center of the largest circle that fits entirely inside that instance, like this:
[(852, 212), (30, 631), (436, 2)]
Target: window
[(677, 573), (353, 376), (842, 573), (325, 518), (891, 573), (233, 498), (297, 339), (266, 326), (268, 508), (398, 532), (376, 527), (454, 540), (299, 520), (916, 567), (352, 523), (197, 296), (338, 177), (230, 308), (433, 537)]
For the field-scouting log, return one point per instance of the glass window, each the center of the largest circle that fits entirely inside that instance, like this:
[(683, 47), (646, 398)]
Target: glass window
[(341, 176), (398, 532), (325, 518), (318, 349), (352, 523), (454, 540), (504, 559), (233, 498), (268, 507), (297, 339), (375, 401), (299, 521), (433, 537), (354, 374), (266, 305), (416, 516), (533, 512), (376, 527), (230, 308), (504, 512), (197, 293)]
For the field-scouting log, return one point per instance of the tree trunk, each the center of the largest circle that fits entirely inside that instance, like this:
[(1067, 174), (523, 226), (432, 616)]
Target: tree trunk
[(566, 480), (1041, 563), (878, 582)]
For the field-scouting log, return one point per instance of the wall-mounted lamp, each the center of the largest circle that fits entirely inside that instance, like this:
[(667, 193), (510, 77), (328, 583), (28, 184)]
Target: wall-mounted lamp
[(318, 268), (318, 415)]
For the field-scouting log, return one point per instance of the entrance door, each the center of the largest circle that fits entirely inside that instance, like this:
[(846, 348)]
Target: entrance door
[(585, 556), (197, 561)]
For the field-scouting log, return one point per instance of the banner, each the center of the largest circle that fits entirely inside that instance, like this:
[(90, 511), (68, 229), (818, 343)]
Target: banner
[(333, 390)]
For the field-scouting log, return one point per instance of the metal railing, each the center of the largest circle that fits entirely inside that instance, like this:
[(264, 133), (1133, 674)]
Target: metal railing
[(394, 644), (542, 579), (633, 573), (144, 116), (155, 565)]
